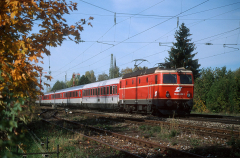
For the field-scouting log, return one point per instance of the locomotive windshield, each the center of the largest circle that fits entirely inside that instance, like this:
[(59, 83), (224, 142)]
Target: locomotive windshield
[(169, 78), (186, 79)]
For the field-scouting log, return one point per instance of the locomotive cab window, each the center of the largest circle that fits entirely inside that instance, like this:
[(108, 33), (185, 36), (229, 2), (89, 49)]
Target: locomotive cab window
[(185, 79), (156, 78), (107, 90), (110, 89), (169, 78), (132, 81)]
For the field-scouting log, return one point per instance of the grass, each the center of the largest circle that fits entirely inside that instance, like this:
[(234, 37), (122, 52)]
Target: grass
[(69, 145), (158, 131), (194, 142)]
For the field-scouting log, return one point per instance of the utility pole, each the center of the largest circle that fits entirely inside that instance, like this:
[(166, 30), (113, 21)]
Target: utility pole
[(66, 79), (111, 67), (40, 78), (73, 79)]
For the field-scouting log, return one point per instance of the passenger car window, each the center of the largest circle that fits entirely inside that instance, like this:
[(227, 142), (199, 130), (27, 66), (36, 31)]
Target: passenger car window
[(169, 78), (186, 79)]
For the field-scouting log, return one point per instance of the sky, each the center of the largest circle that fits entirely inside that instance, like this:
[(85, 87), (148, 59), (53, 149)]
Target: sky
[(145, 29)]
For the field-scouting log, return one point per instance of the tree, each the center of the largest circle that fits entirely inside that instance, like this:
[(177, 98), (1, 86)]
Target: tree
[(20, 49), (217, 90), (83, 80), (114, 72), (102, 77), (59, 85), (77, 79), (90, 75), (70, 83), (181, 53)]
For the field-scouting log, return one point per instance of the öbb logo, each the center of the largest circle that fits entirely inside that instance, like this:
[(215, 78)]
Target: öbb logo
[(178, 89)]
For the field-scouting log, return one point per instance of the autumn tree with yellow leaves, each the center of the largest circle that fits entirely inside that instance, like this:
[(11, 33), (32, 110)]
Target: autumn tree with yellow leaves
[(21, 50)]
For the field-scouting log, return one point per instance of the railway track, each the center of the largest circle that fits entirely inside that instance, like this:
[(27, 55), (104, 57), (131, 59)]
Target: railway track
[(213, 134), (205, 131), (134, 146), (130, 143), (226, 120), (194, 117), (47, 115)]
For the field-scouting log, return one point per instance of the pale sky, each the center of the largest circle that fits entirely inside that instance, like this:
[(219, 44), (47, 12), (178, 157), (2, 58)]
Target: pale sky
[(145, 30)]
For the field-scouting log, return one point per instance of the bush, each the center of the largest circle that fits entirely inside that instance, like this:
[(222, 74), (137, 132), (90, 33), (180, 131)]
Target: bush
[(217, 91)]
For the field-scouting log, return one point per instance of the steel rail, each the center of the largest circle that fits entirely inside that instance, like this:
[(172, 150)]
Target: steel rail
[(232, 133), (134, 140), (221, 133), (93, 139), (220, 120)]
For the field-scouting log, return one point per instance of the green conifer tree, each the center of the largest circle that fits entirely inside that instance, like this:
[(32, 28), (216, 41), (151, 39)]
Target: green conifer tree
[(181, 54)]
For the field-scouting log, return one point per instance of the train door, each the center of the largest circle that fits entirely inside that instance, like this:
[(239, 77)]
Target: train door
[(136, 91), (123, 91), (68, 98), (149, 96)]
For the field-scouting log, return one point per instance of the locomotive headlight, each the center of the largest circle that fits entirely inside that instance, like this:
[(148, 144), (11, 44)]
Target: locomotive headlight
[(167, 94), (188, 95)]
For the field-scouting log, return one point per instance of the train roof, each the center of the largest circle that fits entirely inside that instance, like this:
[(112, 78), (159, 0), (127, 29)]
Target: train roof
[(154, 70), (103, 83), (90, 85), (66, 89)]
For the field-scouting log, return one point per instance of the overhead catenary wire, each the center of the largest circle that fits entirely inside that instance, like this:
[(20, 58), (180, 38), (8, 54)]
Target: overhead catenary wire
[(218, 34), (152, 16), (141, 33), (109, 29), (196, 43)]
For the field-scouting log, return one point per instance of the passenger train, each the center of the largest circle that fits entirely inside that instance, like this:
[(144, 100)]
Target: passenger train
[(157, 91)]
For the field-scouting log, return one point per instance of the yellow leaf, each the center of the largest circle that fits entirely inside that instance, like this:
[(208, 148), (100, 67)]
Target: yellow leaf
[(34, 57), (48, 77), (23, 75), (12, 15), (17, 62)]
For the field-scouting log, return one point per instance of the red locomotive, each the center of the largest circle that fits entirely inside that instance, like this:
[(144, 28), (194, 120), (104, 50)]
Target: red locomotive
[(156, 90)]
